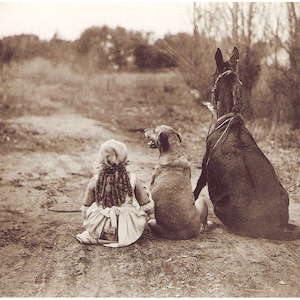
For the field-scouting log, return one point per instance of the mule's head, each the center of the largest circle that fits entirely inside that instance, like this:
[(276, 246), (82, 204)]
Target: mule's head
[(226, 82)]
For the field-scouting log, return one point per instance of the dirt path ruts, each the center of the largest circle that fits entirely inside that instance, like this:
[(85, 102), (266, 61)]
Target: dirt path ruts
[(49, 165)]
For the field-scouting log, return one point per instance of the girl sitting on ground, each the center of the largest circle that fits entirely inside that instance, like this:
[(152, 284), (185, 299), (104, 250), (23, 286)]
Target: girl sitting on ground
[(116, 204)]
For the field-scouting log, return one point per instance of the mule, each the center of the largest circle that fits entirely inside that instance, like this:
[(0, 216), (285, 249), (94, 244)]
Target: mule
[(243, 187)]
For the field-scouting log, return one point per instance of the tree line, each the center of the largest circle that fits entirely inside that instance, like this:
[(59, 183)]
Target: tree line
[(266, 34), (98, 48)]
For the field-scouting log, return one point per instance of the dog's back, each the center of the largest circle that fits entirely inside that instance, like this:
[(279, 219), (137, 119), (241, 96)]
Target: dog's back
[(174, 201)]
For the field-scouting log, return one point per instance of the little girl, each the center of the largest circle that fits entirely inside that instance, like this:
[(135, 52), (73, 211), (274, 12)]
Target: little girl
[(115, 203)]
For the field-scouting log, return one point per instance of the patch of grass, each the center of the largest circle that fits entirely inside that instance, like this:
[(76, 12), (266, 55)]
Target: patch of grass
[(279, 134), (126, 102)]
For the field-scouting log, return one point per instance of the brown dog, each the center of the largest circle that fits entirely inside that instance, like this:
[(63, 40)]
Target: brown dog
[(177, 214)]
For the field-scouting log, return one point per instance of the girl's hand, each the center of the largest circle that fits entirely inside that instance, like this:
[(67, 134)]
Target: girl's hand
[(151, 216), (84, 209)]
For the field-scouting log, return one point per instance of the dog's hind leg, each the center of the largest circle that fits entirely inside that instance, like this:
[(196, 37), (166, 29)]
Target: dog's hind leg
[(157, 229), (202, 209)]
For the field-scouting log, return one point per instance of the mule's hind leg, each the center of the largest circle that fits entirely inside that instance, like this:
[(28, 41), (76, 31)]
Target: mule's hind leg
[(202, 179), (200, 184)]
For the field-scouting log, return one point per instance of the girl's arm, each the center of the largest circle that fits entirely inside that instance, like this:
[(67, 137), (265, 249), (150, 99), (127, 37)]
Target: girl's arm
[(146, 203), (89, 197)]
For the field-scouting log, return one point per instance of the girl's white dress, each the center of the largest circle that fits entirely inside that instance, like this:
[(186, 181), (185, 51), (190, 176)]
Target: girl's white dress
[(128, 220)]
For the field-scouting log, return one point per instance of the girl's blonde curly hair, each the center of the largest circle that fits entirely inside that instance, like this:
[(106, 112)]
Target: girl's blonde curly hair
[(113, 183)]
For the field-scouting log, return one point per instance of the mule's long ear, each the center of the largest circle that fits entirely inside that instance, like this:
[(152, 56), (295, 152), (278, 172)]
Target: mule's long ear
[(234, 59), (219, 59)]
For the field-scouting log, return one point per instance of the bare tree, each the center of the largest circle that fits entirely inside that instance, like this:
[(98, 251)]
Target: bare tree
[(294, 58), (240, 20), (222, 24), (286, 82), (194, 54)]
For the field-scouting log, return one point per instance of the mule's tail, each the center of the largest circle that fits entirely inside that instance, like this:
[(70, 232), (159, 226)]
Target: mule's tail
[(289, 233)]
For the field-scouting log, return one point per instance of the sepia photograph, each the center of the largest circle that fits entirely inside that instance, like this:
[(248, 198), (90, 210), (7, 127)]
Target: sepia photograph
[(149, 149)]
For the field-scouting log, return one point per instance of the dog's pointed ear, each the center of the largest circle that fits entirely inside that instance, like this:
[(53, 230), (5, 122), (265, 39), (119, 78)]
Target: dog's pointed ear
[(163, 141)]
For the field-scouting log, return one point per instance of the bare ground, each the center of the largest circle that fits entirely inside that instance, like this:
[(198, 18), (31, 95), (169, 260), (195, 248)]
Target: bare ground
[(47, 159)]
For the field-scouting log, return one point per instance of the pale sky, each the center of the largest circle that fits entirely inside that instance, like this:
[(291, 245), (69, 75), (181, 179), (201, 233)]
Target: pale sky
[(71, 18)]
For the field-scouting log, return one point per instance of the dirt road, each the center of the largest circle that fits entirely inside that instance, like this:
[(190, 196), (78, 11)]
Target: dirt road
[(46, 161)]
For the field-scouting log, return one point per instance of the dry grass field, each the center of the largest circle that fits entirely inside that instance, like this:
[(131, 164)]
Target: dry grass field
[(53, 121)]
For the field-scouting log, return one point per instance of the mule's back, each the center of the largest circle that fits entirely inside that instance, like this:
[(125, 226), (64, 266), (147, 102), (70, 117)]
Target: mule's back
[(244, 189)]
